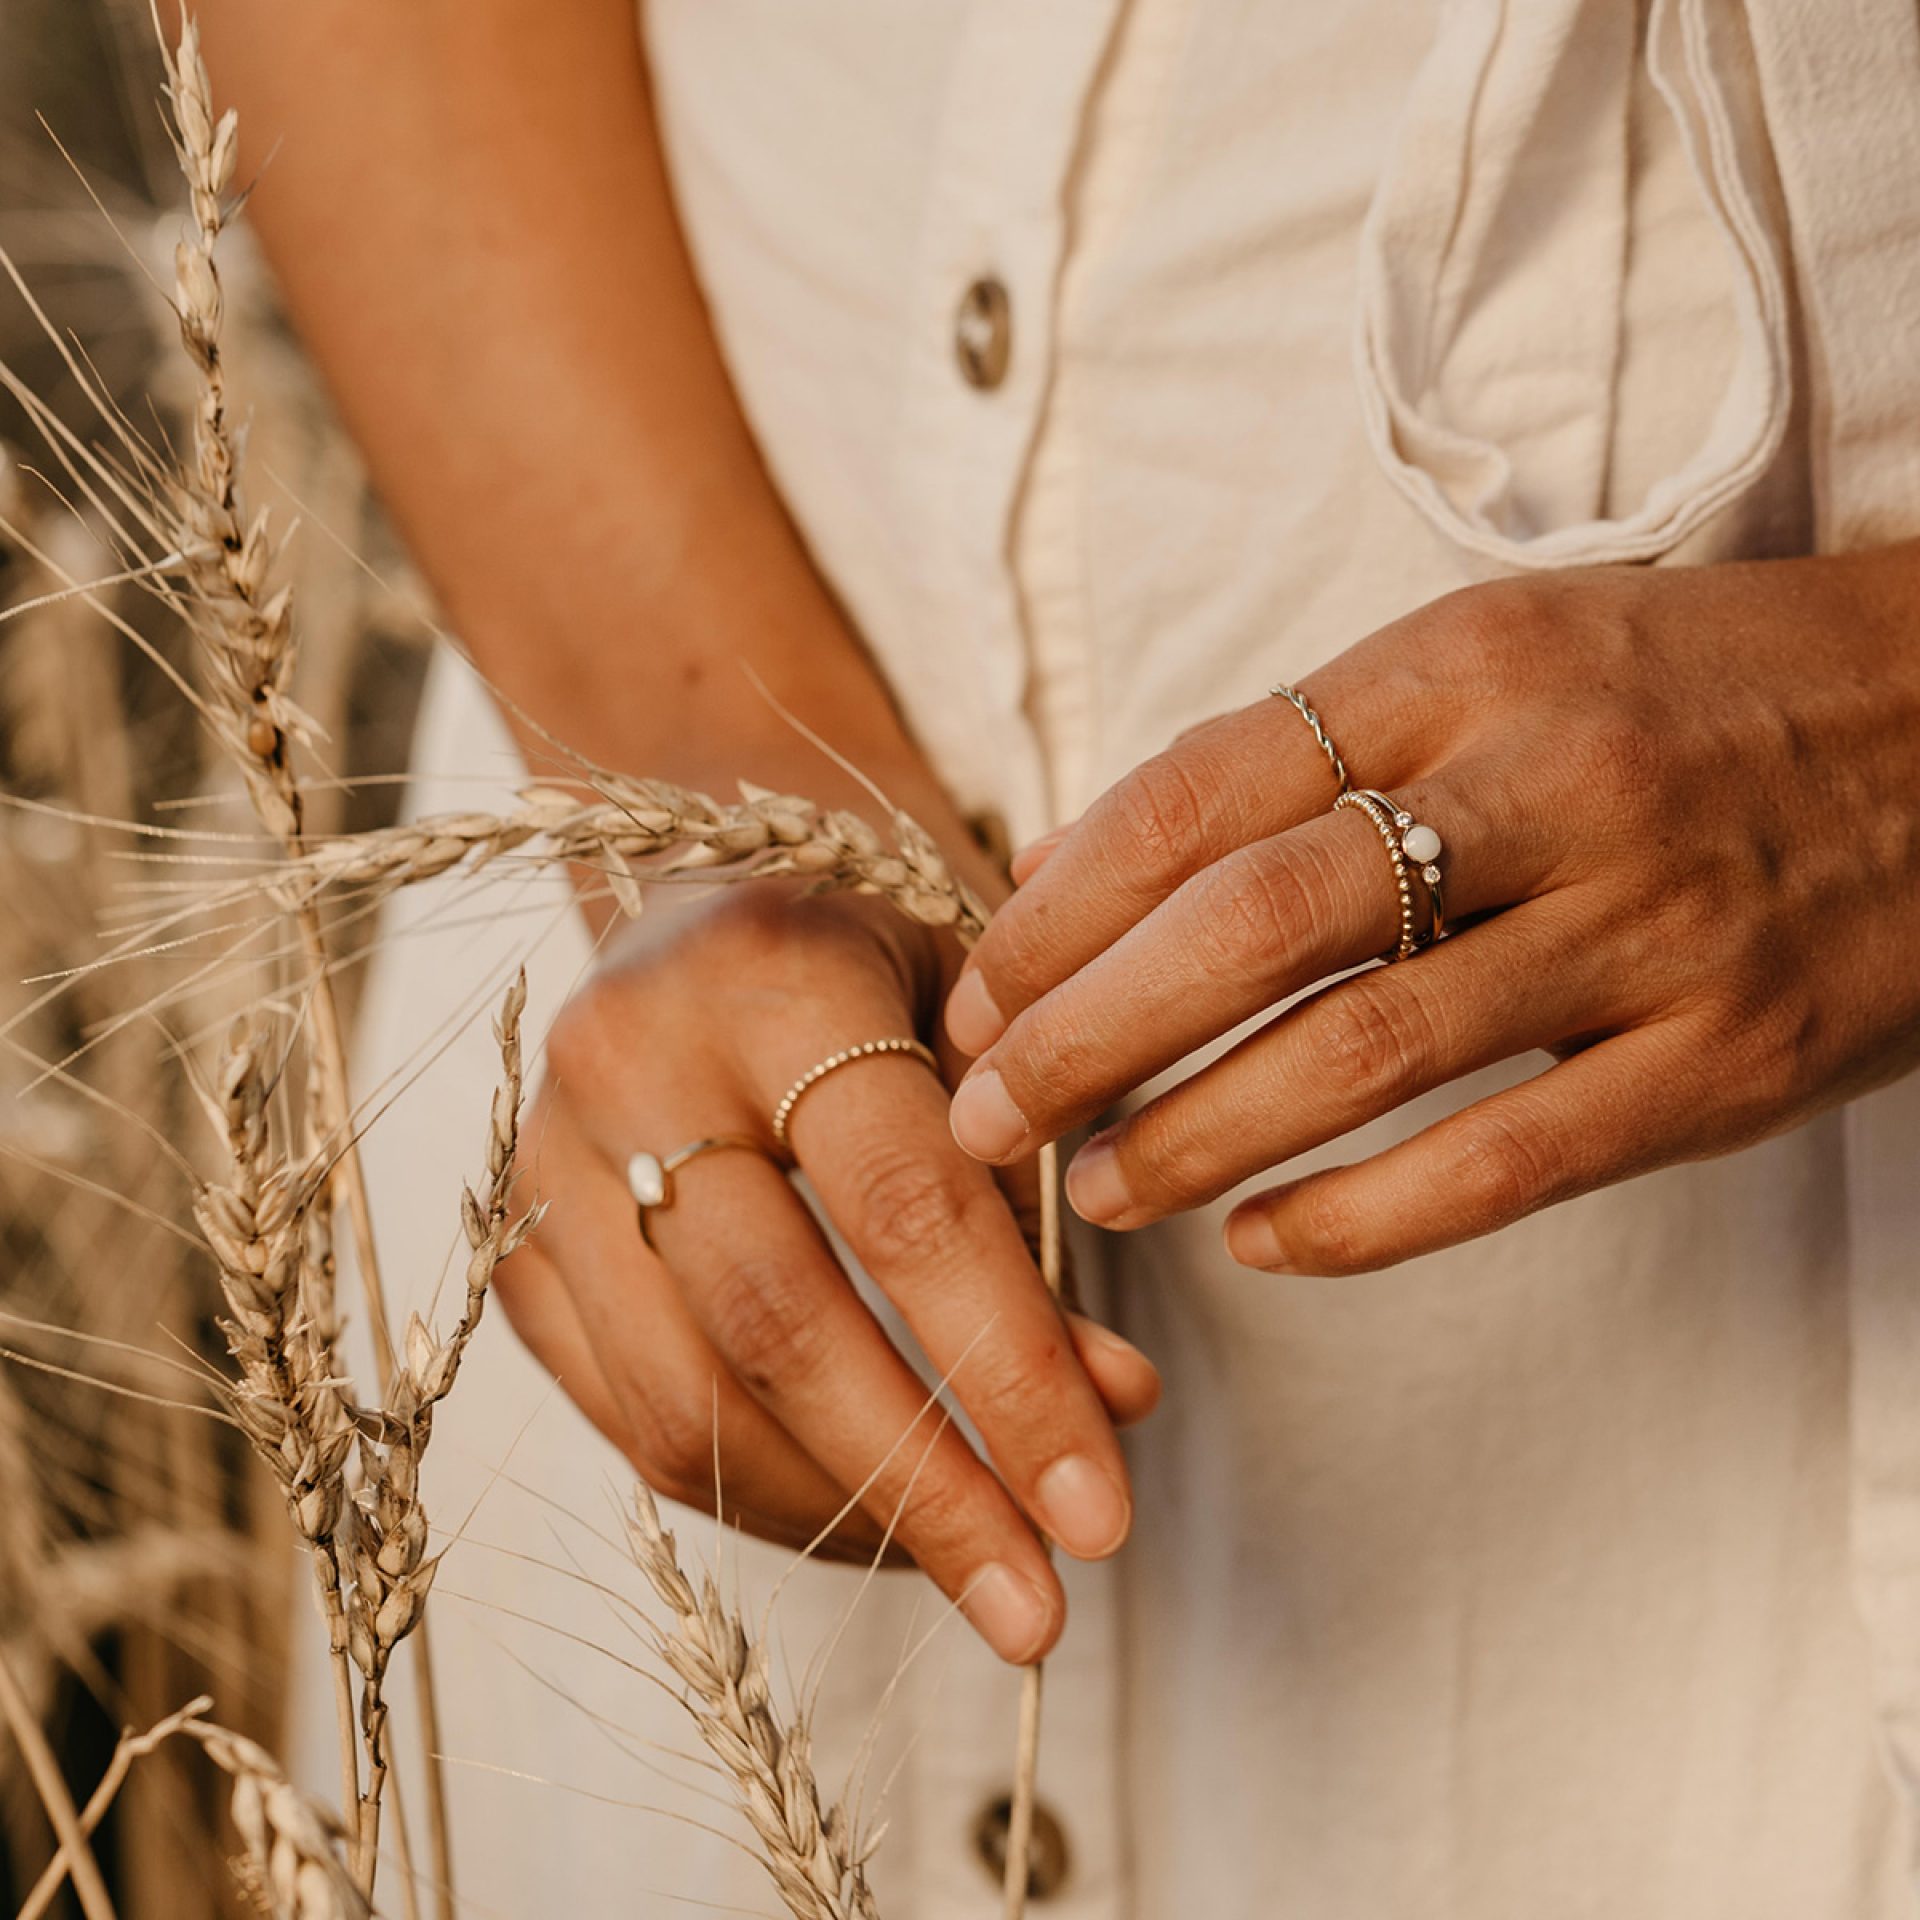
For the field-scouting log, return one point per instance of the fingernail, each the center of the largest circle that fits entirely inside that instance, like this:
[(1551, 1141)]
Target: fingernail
[(1255, 1244), (984, 1119), (1009, 1612), (1083, 1506), (1095, 1185), (974, 1023)]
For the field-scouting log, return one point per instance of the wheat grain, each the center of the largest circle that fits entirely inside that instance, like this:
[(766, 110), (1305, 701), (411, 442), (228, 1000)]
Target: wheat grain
[(292, 1844), (817, 1862)]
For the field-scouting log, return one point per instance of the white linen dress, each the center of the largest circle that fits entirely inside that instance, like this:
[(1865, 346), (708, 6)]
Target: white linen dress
[(1574, 1573)]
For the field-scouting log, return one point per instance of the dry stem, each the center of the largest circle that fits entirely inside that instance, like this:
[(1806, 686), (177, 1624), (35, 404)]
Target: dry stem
[(132, 1746), (52, 1788)]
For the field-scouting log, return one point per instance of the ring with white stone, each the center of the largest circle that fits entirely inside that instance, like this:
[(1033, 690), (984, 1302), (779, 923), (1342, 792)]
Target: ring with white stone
[(650, 1175), (1422, 848)]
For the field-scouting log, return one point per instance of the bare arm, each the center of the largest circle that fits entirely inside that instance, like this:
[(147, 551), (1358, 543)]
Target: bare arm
[(466, 203)]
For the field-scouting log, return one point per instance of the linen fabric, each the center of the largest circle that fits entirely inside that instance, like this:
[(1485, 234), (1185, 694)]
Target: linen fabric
[(1573, 1572)]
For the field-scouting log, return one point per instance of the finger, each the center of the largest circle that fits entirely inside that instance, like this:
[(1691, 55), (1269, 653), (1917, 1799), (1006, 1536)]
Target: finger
[(1126, 1380), (937, 1236), (1034, 855), (769, 1294), (1618, 1109), (541, 1311), (1020, 1184), (674, 1399), (1260, 924), (1240, 778), (1529, 978)]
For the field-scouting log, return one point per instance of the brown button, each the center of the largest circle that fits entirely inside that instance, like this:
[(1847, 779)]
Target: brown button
[(1046, 1858), (983, 334)]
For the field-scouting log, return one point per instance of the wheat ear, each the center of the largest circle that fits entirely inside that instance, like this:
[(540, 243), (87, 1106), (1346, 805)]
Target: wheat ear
[(244, 624), (384, 1548), (292, 1866), (818, 1864)]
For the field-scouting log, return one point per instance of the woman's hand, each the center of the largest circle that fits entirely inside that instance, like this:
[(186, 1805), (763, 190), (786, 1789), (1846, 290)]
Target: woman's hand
[(1681, 812), (742, 1346)]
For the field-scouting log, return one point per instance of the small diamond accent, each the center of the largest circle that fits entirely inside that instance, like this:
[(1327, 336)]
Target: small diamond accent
[(1431, 875)]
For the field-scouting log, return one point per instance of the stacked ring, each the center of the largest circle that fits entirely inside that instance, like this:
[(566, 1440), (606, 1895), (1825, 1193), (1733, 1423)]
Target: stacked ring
[(1422, 847), (1383, 815), (1415, 851)]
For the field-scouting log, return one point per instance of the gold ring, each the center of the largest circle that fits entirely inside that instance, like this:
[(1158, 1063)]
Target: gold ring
[(1382, 813), (1298, 702), (1422, 848), (650, 1177), (867, 1049)]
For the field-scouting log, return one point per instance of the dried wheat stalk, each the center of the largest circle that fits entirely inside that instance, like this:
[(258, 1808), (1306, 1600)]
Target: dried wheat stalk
[(817, 1861), (292, 1864), (131, 1747), (764, 835), (267, 1227), (384, 1548), (245, 625)]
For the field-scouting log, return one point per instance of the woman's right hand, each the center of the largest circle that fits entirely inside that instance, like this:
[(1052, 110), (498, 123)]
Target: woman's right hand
[(742, 1338)]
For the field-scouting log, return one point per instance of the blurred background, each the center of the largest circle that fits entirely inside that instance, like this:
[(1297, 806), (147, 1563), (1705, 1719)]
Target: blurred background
[(143, 1558)]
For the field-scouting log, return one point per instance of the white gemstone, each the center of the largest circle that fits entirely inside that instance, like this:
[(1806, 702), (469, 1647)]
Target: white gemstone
[(647, 1180), (1421, 844)]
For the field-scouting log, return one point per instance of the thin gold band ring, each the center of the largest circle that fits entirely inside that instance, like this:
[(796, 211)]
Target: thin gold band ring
[(866, 1050)]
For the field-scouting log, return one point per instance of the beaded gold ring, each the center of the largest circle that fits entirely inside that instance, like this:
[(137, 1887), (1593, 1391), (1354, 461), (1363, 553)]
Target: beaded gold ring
[(783, 1112)]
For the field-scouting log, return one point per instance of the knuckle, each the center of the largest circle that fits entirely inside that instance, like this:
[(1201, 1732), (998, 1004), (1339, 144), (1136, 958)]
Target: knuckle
[(1248, 912), (1480, 634), (673, 1435), (1335, 1236), (1502, 1168), (1618, 755), (1164, 1155), (1043, 1060), (937, 1504), (1014, 1392), (1370, 1040), (1161, 811), (578, 1041), (906, 1204), (764, 1315)]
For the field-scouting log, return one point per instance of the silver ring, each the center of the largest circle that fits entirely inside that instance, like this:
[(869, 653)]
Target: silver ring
[(1298, 701), (867, 1049), (1424, 850), (650, 1176)]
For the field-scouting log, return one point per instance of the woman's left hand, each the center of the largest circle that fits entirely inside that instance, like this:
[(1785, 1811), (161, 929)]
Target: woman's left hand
[(1681, 818)]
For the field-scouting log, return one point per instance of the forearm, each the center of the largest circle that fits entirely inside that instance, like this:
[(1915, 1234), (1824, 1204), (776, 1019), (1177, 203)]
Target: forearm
[(466, 204)]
